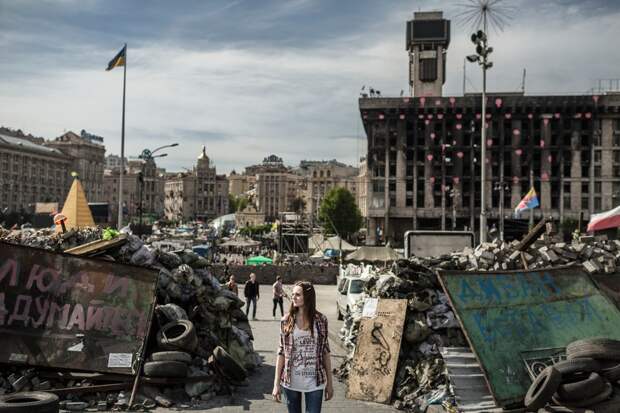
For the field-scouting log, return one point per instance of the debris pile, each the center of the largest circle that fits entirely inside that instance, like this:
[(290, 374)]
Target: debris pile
[(586, 379), (201, 341), (49, 239), (431, 323), (596, 254)]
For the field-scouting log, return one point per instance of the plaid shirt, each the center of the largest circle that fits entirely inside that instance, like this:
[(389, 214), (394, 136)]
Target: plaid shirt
[(322, 346)]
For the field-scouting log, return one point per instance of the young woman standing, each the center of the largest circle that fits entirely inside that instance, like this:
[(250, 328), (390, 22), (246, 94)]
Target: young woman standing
[(303, 366)]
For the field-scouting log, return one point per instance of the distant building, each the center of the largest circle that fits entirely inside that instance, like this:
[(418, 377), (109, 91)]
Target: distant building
[(276, 187), (88, 161), (200, 194), (113, 161), (423, 159), (30, 173), (142, 182), (319, 177)]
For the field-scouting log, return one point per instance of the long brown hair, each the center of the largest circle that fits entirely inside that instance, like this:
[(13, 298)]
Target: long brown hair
[(309, 307)]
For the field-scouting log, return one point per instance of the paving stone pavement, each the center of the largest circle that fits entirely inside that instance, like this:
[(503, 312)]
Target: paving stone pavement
[(256, 397)]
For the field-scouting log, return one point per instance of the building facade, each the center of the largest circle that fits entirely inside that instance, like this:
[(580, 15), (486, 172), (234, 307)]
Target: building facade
[(319, 177), (276, 187), (143, 183), (424, 160), (88, 156), (31, 172), (200, 194)]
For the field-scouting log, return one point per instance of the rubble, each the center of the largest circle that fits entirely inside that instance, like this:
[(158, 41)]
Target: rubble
[(188, 296), (431, 324)]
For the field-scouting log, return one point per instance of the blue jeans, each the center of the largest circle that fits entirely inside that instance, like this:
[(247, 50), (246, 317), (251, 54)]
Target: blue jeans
[(293, 400)]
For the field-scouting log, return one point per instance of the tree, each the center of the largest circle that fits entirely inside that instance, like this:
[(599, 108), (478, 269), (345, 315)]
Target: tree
[(236, 203), (339, 213)]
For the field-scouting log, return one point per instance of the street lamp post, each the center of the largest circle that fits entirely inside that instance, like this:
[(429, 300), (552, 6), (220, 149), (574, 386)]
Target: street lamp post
[(482, 51), (146, 156)]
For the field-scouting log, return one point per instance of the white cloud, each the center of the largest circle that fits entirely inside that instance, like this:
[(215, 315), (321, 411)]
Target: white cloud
[(287, 101)]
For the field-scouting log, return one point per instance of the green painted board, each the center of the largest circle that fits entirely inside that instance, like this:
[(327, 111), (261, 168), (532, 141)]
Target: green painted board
[(509, 315)]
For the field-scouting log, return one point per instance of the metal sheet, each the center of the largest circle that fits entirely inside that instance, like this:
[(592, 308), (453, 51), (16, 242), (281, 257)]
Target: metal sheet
[(508, 315), (64, 311)]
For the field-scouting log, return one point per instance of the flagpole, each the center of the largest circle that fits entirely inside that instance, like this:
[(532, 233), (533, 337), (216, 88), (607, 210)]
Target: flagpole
[(122, 170), (531, 225)]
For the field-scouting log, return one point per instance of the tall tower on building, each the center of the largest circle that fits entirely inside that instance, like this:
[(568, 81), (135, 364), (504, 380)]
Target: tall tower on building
[(428, 37)]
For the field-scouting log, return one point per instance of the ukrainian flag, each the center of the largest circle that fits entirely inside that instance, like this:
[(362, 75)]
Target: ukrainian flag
[(119, 59)]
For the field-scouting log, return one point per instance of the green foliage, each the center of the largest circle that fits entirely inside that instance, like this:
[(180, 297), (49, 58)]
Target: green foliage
[(339, 213), (236, 203), (255, 230)]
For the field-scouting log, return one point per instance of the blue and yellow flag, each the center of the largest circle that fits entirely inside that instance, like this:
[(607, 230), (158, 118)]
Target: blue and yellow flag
[(119, 59), (529, 201)]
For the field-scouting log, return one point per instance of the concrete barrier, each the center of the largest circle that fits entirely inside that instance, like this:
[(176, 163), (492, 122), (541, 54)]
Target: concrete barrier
[(266, 274)]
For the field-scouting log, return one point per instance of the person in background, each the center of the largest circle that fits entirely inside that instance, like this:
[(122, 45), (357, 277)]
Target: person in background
[(252, 294), (303, 365), (278, 296), (232, 285)]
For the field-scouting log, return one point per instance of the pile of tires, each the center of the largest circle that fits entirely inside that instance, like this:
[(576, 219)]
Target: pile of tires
[(587, 381), (171, 364)]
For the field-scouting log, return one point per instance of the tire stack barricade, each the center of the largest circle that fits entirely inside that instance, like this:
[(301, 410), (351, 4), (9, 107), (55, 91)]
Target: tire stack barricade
[(194, 317), (587, 381)]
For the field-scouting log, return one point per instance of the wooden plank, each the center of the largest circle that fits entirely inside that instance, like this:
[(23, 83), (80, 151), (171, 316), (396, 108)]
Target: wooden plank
[(373, 369), (513, 317), (533, 235), (98, 247)]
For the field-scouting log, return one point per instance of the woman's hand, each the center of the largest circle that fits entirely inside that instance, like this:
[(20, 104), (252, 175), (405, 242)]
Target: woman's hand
[(329, 391), (277, 395)]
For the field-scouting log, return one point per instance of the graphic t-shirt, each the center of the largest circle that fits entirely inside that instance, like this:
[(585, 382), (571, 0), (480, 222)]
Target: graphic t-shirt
[(303, 372)]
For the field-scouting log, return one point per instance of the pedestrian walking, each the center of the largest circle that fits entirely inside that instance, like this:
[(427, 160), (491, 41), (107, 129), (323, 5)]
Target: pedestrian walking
[(252, 294), (278, 296), (303, 365), (232, 285)]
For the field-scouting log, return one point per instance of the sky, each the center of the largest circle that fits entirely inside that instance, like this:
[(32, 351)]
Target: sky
[(250, 78)]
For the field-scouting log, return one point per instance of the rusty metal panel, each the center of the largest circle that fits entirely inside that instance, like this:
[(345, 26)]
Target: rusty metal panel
[(507, 316), (59, 310)]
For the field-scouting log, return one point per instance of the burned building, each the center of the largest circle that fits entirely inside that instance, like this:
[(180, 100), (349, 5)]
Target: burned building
[(423, 159)]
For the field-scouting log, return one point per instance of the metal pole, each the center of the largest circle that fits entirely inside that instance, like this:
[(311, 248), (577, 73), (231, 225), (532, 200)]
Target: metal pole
[(472, 189), (531, 224), (501, 207), (454, 198), (122, 170), (464, 75), (443, 187), (483, 135)]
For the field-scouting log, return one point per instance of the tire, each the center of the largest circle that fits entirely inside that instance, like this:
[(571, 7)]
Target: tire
[(165, 369), (172, 356), (542, 389), (29, 402), (599, 398), (179, 334), (581, 390), (228, 366), (611, 373), (577, 367), (597, 348)]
